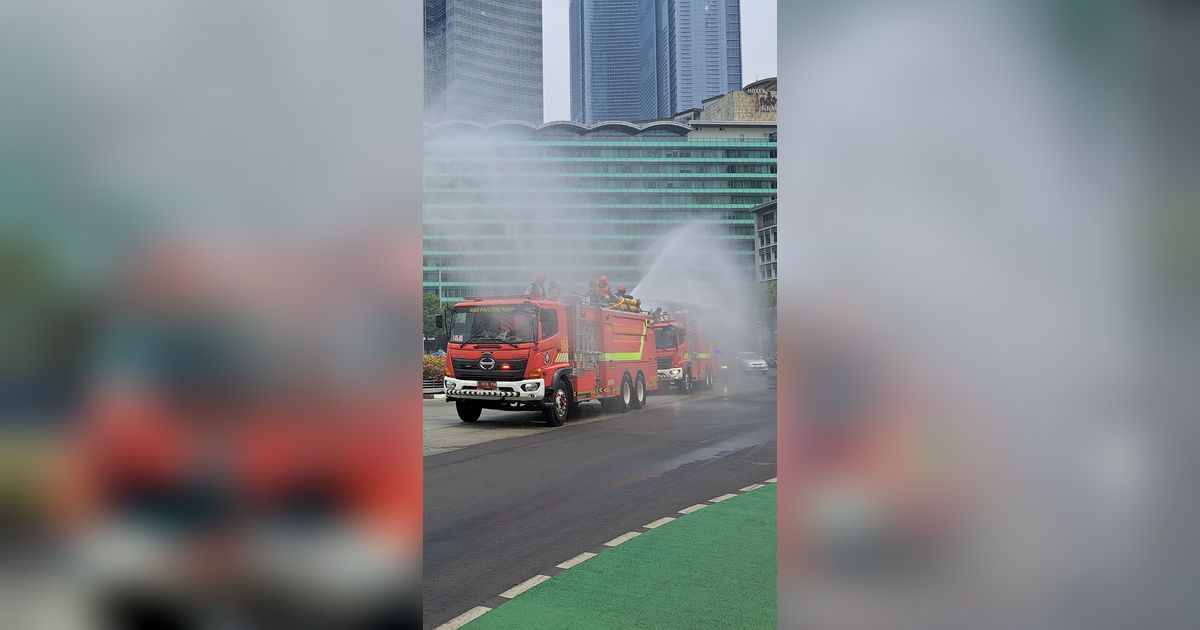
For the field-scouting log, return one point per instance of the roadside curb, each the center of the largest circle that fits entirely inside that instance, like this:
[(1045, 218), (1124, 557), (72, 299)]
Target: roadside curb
[(487, 606)]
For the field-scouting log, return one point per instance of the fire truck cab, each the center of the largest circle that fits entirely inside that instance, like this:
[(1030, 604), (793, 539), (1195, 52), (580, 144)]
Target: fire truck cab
[(529, 353)]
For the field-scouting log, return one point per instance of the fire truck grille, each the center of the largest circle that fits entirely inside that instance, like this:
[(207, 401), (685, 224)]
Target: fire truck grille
[(664, 363), (469, 369)]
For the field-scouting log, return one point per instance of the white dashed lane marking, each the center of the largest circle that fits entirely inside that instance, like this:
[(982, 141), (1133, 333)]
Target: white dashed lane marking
[(464, 619), (576, 560), (479, 611), (524, 586), (622, 538), (662, 521)]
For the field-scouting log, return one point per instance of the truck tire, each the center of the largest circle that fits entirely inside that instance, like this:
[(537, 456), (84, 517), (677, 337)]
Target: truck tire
[(560, 405), (468, 411), (639, 392), (624, 398)]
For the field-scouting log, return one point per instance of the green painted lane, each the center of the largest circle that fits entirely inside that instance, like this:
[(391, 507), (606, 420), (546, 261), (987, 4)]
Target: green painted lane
[(714, 568)]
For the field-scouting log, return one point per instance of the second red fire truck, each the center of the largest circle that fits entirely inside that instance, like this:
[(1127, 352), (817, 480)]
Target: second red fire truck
[(530, 353), (685, 354)]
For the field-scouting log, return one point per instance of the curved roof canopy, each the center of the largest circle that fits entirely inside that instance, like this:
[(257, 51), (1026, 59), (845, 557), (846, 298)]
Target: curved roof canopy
[(632, 129), (770, 85)]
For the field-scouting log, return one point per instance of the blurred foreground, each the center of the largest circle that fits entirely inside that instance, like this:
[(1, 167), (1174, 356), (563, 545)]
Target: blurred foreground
[(206, 411), (988, 350)]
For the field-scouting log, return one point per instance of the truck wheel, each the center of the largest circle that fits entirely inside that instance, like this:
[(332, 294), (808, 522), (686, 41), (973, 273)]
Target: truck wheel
[(468, 411), (560, 406), (624, 400), (639, 392)]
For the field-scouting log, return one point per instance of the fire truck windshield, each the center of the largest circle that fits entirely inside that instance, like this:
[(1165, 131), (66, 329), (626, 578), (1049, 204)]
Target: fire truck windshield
[(506, 323), (666, 338)]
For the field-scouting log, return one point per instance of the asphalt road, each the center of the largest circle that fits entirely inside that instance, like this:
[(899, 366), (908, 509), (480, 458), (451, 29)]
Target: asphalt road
[(498, 512)]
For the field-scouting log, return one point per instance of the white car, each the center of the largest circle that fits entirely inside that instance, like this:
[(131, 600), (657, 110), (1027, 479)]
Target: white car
[(752, 363)]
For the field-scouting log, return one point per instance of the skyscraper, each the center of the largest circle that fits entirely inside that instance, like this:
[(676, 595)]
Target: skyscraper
[(646, 59), (604, 60), (483, 60), (705, 52)]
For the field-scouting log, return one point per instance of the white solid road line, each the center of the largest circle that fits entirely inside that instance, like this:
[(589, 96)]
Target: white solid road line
[(689, 510), (721, 498), (576, 560), (464, 619), (773, 480), (524, 586), (622, 538), (752, 487), (662, 521)]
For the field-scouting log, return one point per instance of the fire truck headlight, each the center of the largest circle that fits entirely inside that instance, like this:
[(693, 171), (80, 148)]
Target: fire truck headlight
[(449, 384), (529, 387), (676, 371)]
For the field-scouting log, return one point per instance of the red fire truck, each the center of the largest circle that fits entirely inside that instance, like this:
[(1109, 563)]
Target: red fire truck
[(685, 354), (530, 353)]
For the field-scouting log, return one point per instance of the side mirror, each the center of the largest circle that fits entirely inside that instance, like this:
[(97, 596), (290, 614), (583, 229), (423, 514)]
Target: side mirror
[(439, 321)]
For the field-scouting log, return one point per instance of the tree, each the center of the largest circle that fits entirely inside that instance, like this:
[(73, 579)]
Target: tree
[(431, 307), (768, 298), (768, 294)]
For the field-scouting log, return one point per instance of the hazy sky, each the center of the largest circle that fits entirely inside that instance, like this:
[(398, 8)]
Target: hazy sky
[(758, 51)]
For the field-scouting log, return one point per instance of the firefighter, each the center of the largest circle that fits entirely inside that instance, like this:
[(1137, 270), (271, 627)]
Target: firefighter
[(603, 290), (625, 302), (538, 286)]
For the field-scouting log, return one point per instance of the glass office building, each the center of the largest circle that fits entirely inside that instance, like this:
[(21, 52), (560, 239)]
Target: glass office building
[(483, 60), (650, 59), (505, 201), (712, 65), (604, 60)]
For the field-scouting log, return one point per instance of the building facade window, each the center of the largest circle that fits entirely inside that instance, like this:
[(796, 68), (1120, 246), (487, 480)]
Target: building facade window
[(593, 201)]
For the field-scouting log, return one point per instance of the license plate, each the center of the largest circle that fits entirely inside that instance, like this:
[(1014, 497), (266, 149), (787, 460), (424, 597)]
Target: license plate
[(487, 384)]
